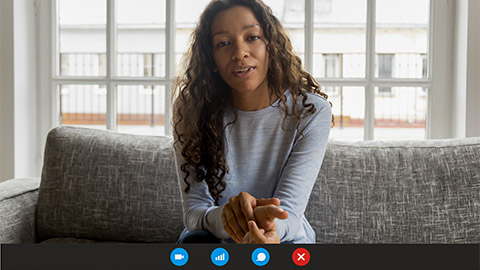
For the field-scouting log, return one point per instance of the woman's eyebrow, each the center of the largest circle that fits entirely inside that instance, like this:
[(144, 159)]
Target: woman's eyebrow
[(248, 26)]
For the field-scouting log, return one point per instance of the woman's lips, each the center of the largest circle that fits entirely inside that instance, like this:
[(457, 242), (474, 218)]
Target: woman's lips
[(244, 73)]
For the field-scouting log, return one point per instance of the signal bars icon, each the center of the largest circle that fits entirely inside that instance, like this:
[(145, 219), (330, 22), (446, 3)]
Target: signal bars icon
[(220, 257)]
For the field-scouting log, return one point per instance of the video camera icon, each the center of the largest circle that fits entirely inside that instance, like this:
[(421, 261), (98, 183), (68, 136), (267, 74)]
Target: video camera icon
[(179, 256)]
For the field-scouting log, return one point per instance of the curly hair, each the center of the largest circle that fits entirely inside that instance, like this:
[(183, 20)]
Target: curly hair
[(201, 94)]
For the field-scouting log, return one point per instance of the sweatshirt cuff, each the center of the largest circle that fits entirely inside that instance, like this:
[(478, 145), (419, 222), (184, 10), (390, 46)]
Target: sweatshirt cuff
[(282, 228), (213, 222)]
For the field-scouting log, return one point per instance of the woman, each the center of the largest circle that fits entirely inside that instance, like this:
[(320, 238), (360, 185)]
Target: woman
[(250, 129)]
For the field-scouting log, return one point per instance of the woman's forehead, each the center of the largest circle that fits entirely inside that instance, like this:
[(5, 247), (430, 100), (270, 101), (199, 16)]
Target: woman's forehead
[(236, 18)]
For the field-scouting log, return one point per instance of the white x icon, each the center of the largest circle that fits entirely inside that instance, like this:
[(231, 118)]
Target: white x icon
[(300, 256)]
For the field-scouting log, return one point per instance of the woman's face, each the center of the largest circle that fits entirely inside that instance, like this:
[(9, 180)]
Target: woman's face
[(240, 50)]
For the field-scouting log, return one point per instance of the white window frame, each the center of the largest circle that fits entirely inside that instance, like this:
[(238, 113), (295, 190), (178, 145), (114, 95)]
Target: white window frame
[(370, 81), (111, 80), (439, 55)]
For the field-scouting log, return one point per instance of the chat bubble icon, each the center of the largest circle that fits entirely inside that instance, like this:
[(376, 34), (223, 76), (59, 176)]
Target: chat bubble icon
[(261, 257)]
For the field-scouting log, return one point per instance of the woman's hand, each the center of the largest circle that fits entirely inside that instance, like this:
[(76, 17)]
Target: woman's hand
[(267, 233), (265, 216), (239, 210)]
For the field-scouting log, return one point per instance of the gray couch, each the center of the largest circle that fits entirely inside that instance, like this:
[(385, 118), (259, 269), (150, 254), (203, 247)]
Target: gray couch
[(101, 186)]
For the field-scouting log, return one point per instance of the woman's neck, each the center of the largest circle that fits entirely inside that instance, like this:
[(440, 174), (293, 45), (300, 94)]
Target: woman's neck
[(254, 101)]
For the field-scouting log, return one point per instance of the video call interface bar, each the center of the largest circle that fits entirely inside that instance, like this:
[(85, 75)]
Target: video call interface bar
[(215, 256)]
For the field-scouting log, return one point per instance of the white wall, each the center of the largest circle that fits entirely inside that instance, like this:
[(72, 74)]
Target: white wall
[(460, 69), (466, 88), (46, 105), (6, 91), (25, 88), (472, 127), (18, 115)]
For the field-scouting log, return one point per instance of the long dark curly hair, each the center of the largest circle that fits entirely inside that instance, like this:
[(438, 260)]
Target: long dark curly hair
[(201, 95)]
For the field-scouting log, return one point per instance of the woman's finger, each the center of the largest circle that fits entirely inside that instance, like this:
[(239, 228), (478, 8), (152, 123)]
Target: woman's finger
[(246, 202), (231, 220), (228, 229), (263, 202), (270, 212), (235, 204), (246, 238), (255, 233), (265, 216)]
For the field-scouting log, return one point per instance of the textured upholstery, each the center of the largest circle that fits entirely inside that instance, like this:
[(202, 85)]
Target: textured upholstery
[(398, 192), (104, 186), (107, 186), (70, 240), (18, 199)]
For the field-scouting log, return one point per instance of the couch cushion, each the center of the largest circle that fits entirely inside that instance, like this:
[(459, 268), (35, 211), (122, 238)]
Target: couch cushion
[(18, 200), (398, 192), (70, 240), (108, 186)]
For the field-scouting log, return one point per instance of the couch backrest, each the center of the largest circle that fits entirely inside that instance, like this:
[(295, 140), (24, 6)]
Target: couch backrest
[(103, 185), (108, 186), (398, 192)]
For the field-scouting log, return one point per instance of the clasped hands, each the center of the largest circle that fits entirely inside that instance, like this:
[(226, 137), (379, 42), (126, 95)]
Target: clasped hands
[(250, 220)]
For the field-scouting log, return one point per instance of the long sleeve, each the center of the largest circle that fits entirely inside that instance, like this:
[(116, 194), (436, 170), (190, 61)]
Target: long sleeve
[(301, 171), (266, 159), (199, 211)]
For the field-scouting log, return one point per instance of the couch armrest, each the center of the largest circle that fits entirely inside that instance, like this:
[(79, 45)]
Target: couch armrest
[(18, 201)]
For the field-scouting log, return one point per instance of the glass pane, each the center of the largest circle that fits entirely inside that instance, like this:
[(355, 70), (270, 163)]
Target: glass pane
[(402, 38), (400, 113), (187, 14), (339, 38), (141, 38), (82, 37), (83, 105), (291, 14), (141, 109), (349, 109)]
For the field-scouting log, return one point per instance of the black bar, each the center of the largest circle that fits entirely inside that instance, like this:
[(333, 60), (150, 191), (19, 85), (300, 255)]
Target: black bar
[(157, 256)]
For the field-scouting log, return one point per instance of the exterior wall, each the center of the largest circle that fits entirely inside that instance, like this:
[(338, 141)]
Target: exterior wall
[(407, 64)]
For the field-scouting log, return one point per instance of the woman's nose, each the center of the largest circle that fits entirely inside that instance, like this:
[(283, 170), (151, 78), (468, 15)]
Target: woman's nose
[(241, 51)]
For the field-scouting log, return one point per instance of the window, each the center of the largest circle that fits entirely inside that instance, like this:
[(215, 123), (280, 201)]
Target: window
[(111, 68), (385, 66), (424, 65), (378, 88), (332, 69), (114, 60)]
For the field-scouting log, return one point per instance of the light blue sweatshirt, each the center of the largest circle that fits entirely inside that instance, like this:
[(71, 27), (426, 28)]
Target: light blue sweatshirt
[(265, 161)]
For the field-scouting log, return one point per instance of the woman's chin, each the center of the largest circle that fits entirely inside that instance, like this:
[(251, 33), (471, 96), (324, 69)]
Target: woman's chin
[(247, 89)]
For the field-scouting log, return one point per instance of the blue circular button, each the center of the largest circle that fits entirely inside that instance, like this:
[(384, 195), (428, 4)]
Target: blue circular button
[(179, 256), (260, 256), (219, 257)]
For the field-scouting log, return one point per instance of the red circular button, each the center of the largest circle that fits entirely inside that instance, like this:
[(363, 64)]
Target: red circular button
[(301, 256)]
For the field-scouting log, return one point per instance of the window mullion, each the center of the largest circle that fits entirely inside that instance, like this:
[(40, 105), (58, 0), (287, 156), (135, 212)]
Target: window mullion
[(309, 30), (370, 73), (430, 66), (54, 65), (169, 60), (111, 117)]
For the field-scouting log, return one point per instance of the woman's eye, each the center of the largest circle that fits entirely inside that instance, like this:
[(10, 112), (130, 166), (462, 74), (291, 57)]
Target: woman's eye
[(254, 37), (221, 44)]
